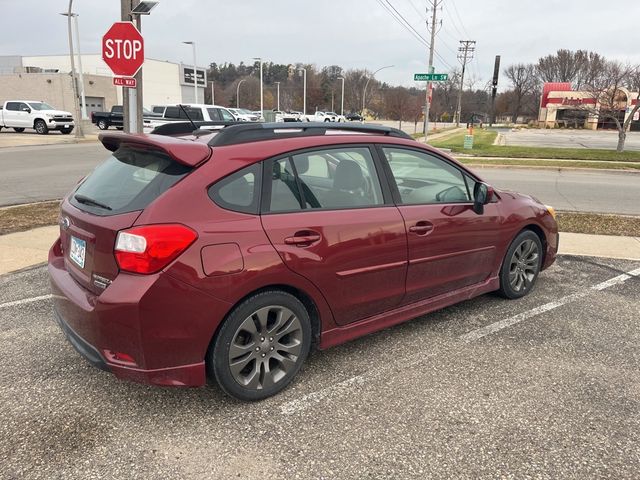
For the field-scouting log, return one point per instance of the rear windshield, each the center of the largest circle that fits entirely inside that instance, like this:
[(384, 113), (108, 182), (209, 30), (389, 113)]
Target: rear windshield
[(127, 181)]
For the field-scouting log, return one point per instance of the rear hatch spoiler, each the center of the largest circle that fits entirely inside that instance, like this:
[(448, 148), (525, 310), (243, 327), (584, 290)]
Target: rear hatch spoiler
[(182, 151)]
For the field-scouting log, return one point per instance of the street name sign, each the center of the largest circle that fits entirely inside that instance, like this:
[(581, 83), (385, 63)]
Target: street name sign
[(430, 77)]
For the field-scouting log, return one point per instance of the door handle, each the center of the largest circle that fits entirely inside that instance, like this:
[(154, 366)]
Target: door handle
[(421, 228), (303, 238)]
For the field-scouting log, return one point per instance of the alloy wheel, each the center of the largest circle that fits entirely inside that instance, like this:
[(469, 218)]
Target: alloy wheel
[(524, 265), (266, 347)]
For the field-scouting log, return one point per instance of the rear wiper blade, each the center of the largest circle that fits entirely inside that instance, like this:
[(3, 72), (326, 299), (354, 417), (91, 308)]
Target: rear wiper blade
[(90, 201)]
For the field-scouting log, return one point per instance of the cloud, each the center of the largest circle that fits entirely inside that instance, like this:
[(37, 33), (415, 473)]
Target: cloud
[(353, 34)]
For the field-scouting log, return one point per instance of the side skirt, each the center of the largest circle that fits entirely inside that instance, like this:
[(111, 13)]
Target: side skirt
[(338, 335)]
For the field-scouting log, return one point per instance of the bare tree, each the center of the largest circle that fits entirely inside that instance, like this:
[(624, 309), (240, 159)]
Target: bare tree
[(524, 82), (578, 68), (608, 97)]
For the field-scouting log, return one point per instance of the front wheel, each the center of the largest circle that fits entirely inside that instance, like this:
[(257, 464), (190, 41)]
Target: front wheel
[(41, 127), (521, 265), (18, 129), (102, 124), (261, 346)]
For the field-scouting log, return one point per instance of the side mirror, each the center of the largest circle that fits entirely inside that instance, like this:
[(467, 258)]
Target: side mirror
[(482, 194), (26, 109)]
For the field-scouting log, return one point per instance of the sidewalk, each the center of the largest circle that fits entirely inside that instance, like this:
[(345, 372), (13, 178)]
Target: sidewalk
[(24, 249)]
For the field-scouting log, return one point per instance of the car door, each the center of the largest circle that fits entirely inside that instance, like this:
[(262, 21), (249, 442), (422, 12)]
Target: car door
[(449, 245), (13, 115), (347, 238)]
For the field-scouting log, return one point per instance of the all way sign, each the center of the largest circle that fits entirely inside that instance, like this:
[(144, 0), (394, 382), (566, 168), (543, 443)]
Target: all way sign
[(430, 77)]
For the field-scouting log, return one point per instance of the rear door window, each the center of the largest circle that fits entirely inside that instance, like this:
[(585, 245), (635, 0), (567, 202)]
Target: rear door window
[(127, 181), (172, 112)]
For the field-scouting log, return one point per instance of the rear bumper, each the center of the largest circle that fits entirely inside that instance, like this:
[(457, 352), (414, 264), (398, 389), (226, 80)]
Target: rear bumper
[(162, 326)]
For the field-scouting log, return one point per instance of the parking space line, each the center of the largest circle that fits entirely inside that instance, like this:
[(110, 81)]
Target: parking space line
[(25, 300), (508, 322)]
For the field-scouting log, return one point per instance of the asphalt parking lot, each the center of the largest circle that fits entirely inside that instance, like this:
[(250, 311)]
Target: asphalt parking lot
[(604, 139), (544, 387)]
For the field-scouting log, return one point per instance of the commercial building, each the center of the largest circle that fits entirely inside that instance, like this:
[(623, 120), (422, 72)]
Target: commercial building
[(561, 106), (48, 78)]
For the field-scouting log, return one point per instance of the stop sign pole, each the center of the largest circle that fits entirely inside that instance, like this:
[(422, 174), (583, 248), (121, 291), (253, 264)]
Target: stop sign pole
[(132, 97)]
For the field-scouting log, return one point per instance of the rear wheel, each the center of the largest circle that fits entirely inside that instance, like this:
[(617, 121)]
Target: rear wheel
[(261, 346), (521, 265), (41, 127), (102, 124), (18, 129)]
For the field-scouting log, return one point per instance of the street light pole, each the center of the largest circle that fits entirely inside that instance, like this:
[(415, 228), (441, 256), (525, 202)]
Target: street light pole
[(238, 93), (304, 91), (342, 101), (278, 95), (79, 53), (261, 88), (74, 80), (195, 73), (364, 92)]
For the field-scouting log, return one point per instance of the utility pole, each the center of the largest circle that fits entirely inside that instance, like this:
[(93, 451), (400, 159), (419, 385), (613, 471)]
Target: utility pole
[(74, 78), (465, 54), (278, 86), (434, 7), (213, 93)]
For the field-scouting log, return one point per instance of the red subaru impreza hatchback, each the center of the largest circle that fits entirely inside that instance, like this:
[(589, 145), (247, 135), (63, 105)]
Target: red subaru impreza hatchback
[(229, 253)]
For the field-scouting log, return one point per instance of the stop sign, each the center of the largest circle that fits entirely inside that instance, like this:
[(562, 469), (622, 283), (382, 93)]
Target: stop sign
[(123, 49)]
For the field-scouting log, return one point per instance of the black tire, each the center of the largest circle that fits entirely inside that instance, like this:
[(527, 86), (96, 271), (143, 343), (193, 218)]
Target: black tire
[(66, 131), (266, 359), (521, 265), (18, 129), (102, 124), (41, 127)]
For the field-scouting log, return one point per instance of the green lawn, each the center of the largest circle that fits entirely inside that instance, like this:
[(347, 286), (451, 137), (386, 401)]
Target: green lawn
[(483, 147)]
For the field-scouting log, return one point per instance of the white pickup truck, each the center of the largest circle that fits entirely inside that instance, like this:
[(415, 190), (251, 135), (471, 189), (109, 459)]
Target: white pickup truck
[(321, 117), (22, 114)]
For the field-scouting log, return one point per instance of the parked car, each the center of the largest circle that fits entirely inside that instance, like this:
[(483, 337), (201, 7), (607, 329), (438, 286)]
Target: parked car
[(321, 117), (104, 120), (244, 115), (195, 112), (338, 118), (354, 117), (42, 117), (287, 116), (115, 117), (230, 254)]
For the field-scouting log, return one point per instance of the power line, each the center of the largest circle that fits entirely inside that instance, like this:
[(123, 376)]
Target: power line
[(459, 18), (420, 14), (412, 32)]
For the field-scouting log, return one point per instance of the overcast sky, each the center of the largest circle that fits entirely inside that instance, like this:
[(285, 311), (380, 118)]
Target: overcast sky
[(350, 33)]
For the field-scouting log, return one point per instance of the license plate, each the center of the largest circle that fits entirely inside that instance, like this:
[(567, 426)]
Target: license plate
[(77, 251), (66, 126)]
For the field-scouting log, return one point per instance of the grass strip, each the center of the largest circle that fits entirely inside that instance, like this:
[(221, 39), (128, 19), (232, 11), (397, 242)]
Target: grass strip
[(483, 147), (26, 217)]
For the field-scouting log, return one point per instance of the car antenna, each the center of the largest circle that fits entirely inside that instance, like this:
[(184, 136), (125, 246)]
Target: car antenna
[(195, 127)]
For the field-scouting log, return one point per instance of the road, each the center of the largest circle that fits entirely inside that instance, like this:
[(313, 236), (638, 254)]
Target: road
[(551, 391), (43, 173), (601, 139)]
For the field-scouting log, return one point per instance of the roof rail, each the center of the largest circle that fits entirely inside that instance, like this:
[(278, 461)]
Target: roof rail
[(254, 132), (186, 127)]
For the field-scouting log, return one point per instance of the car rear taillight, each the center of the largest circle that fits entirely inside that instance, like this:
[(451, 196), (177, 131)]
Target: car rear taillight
[(150, 248)]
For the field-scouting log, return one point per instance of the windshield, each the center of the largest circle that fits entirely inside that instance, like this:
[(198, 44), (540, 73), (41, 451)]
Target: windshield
[(246, 112), (40, 106)]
